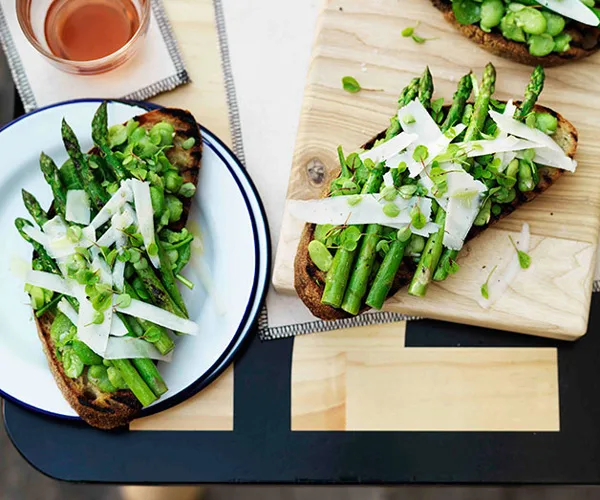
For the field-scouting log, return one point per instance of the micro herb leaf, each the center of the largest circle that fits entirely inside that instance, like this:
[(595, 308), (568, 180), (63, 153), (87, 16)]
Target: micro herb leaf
[(350, 84), (409, 30), (524, 258), (453, 266), (417, 217), (485, 287), (421, 153)]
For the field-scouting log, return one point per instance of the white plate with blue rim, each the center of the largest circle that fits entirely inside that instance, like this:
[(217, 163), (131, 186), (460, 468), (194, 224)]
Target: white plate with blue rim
[(230, 268)]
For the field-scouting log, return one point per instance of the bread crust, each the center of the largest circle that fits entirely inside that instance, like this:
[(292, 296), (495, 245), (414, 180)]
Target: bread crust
[(309, 280), (110, 411), (585, 41)]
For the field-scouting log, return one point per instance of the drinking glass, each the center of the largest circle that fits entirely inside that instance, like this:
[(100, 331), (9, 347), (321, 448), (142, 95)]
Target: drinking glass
[(31, 15)]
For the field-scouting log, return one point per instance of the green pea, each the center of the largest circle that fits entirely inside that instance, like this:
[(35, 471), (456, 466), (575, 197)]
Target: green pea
[(164, 163), (152, 249), (529, 154), (512, 170), (175, 207), (389, 193), (115, 378), (117, 135), (531, 20), (354, 199), (466, 11), (492, 12), (546, 122), (134, 257), (562, 42), (173, 181), (391, 210), (511, 30), (60, 326), (320, 255), (98, 375), (137, 134), (87, 356), (526, 182), (72, 364), (130, 126), (141, 264), (416, 245), (496, 210), (155, 137), (187, 190), (38, 298), (483, 217), (540, 45), (164, 219), (173, 255), (554, 23), (404, 234), (165, 131), (188, 143), (505, 195), (157, 198), (407, 191), (112, 187), (383, 246), (145, 148), (515, 7), (589, 3)]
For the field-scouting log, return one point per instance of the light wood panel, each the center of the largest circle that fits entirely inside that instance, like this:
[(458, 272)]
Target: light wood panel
[(194, 27), (209, 410), (362, 38), (365, 379)]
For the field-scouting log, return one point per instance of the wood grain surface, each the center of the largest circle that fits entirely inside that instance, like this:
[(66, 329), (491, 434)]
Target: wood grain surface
[(209, 410), (362, 38), (194, 27), (364, 379)]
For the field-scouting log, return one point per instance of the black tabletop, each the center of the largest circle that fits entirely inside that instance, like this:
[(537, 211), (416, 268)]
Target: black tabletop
[(263, 449)]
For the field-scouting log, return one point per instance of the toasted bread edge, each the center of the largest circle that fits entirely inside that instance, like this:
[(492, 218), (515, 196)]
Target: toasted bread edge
[(517, 51)]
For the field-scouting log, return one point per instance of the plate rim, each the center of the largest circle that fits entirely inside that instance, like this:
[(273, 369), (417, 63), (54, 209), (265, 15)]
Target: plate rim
[(244, 332)]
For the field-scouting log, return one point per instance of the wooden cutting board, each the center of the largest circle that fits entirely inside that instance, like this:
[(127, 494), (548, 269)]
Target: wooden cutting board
[(362, 38)]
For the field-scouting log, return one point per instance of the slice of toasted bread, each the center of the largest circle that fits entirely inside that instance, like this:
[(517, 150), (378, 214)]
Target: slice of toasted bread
[(98, 409), (585, 41), (309, 280)]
